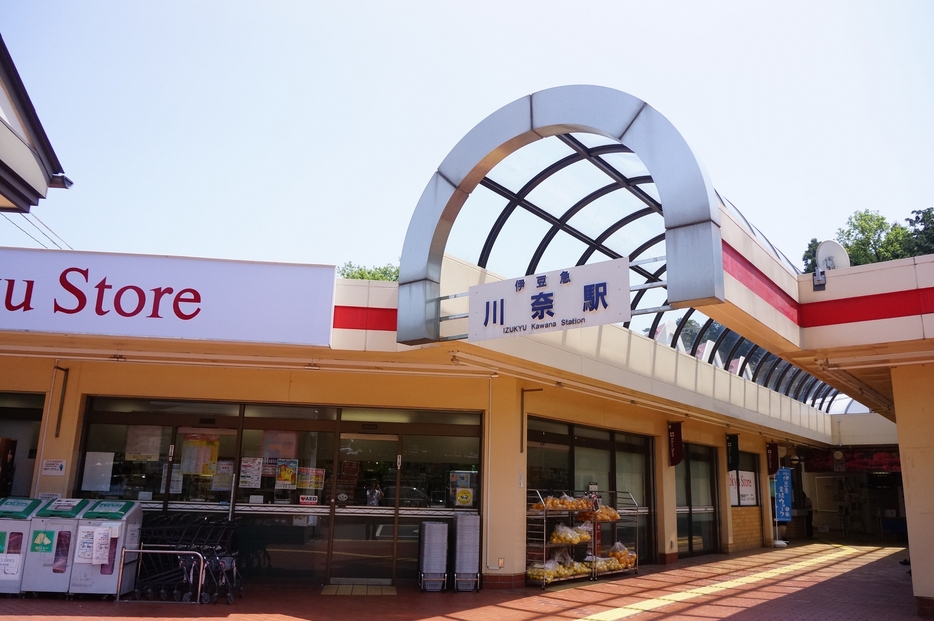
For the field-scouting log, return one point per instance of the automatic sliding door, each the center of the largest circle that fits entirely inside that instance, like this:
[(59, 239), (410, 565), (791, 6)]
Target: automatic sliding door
[(695, 479), (363, 549)]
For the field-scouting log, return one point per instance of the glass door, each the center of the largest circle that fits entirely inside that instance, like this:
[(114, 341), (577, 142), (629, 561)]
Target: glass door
[(695, 480), (365, 518)]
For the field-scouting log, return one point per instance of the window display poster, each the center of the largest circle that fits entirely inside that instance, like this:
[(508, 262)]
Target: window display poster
[(278, 445), (143, 442), (287, 474), (98, 468), (311, 478), (199, 454), (223, 478), (176, 487), (251, 472), (747, 488)]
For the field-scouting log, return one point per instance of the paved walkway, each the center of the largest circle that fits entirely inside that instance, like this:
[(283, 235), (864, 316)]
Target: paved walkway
[(813, 581)]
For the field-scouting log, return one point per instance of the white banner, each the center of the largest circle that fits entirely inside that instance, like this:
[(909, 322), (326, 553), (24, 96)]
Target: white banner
[(577, 297), (165, 297)]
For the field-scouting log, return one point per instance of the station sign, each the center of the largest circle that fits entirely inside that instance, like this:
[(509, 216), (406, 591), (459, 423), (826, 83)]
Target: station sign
[(577, 297)]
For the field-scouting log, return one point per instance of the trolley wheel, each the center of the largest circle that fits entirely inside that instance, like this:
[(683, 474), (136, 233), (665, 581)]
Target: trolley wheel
[(163, 595), (205, 597), (241, 591), (149, 594), (177, 595), (135, 594), (213, 598), (230, 598), (186, 597)]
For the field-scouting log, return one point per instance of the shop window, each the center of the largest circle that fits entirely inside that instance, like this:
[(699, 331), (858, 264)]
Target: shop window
[(548, 426), (410, 416), (591, 466), (548, 466), (20, 420), (161, 406), (289, 411), (128, 462), (285, 467), (438, 472), (744, 481), (204, 466)]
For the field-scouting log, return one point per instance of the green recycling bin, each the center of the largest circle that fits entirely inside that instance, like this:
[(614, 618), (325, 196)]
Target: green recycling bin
[(104, 531), (15, 521), (51, 546)]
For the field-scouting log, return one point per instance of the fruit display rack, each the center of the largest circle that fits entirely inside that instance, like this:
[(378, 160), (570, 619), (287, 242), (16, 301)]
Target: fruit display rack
[(571, 536)]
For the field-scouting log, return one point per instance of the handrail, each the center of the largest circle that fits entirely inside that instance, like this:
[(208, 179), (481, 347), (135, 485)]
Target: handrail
[(197, 555)]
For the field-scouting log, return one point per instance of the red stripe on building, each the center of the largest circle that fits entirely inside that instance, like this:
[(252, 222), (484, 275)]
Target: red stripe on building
[(830, 312), (868, 308), (363, 318), (748, 275)]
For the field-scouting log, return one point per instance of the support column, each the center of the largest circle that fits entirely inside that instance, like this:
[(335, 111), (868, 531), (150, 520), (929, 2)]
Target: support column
[(504, 474), (913, 387), (666, 502)]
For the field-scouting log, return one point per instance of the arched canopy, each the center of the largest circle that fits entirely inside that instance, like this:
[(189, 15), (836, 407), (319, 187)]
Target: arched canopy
[(691, 206), (578, 175)]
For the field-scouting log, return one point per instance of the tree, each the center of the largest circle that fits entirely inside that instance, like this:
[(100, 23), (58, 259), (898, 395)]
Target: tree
[(868, 238), (359, 272), (810, 256), (921, 231)]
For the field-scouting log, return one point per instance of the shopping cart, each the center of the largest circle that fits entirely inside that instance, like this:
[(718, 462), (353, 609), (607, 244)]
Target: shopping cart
[(185, 556)]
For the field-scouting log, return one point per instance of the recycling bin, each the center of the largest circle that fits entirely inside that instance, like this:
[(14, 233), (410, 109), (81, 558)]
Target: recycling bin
[(51, 546), (104, 531), (15, 516)]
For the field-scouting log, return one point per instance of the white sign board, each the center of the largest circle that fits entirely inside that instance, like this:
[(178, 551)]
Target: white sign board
[(167, 297), (577, 297)]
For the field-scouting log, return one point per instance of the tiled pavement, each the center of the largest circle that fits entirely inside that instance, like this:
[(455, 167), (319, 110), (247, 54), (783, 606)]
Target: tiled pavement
[(814, 581)]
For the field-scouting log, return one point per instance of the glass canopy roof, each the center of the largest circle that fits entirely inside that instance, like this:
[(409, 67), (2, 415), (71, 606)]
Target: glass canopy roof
[(574, 199)]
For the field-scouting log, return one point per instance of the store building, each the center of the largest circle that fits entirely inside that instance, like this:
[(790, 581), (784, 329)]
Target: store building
[(285, 397)]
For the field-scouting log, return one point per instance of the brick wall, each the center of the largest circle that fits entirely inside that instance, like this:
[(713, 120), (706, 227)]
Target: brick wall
[(747, 528), (502, 581)]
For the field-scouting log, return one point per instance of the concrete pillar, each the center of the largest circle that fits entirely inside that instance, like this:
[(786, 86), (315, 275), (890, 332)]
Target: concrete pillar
[(666, 502), (913, 387), (504, 489)]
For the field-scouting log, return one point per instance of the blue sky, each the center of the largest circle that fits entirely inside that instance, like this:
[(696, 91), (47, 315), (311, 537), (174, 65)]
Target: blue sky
[(306, 131)]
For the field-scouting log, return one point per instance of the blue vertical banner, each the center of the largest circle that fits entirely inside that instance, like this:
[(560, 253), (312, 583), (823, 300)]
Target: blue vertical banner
[(783, 495)]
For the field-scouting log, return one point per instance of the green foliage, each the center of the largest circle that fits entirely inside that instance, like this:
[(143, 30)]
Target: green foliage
[(868, 238), (810, 256), (921, 229), (689, 332), (359, 272)]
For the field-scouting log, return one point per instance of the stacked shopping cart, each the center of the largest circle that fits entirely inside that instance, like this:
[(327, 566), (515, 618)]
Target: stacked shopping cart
[(187, 558)]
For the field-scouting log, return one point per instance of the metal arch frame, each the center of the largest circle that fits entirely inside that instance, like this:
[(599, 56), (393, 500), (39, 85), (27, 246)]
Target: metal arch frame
[(691, 209), (691, 213), (768, 376), (716, 346), (749, 355), (736, 346), (699, 336), (681, 324)]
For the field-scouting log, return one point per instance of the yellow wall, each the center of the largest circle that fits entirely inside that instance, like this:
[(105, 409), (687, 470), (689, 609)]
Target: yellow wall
[(504, 467), (914, 401)]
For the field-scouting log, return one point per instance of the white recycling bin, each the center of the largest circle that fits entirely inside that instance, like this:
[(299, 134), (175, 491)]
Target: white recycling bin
[(15, 520), (51, 546), (104, 531)]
